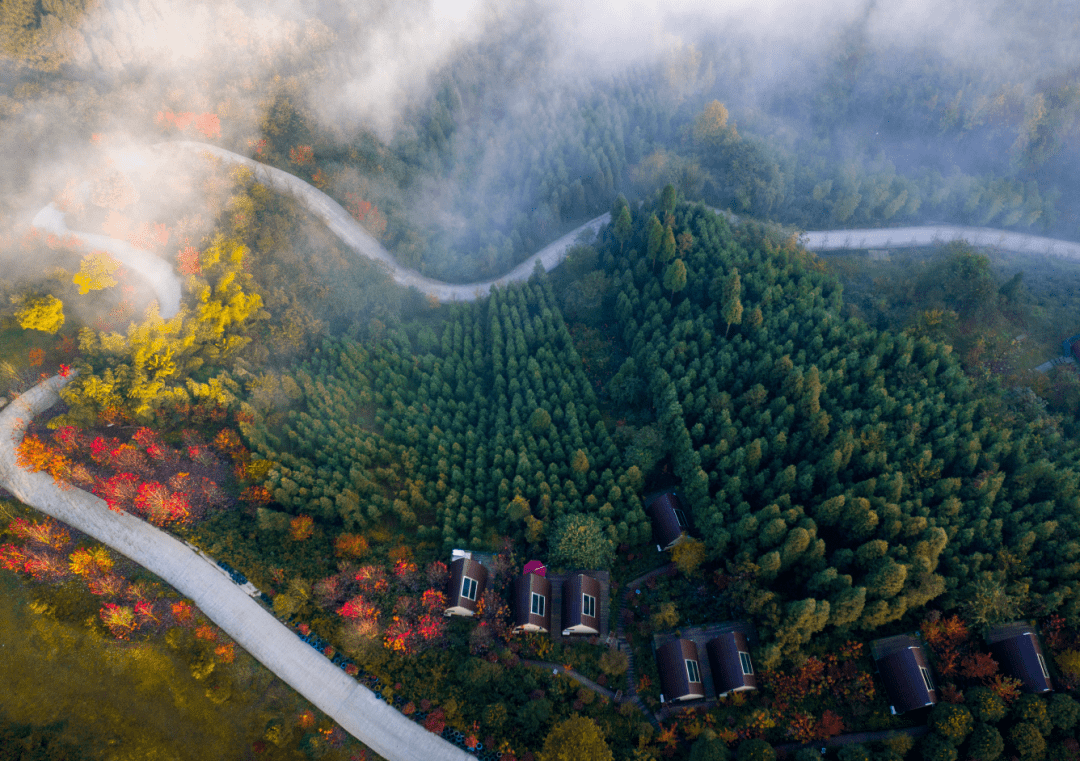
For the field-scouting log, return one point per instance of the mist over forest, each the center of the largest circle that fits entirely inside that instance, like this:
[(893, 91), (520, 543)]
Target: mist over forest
[(868, 444), (481, 130)]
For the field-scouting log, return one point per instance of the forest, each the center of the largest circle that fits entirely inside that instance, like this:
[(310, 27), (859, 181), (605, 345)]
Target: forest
[(861, 443)]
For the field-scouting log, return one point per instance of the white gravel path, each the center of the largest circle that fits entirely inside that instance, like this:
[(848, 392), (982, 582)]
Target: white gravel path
[(353, 706)]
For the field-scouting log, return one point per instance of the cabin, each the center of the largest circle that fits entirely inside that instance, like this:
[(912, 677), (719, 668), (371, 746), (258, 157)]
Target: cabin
[(1016, 648), (581, 596), (1070, 347), (680, 671), (532, 603), (729, 659), (903, 667), (669, 520), (468, 579)]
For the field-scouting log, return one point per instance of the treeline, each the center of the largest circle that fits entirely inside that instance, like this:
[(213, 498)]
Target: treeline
[(853, 473), (489, 427)]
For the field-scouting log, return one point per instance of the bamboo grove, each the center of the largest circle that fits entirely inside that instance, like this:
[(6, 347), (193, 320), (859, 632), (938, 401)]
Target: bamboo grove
[(494, 430), (853, 473)]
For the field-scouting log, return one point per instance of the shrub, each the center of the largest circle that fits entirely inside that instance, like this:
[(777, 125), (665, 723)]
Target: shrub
[(985, 743), (579, 541), (755, 750)]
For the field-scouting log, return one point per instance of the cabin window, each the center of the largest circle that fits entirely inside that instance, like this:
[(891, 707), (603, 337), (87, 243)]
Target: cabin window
[(680, 516), (588, 606), (1042, 665), (468, 588), (692, 671), (538, 604), (744, 659), (926, 678)]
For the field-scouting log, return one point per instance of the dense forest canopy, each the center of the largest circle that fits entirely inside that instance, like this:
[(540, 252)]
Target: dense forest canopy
[(862, 446)]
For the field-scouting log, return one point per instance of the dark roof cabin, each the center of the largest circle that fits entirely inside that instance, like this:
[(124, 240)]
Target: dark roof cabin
[(532, 603), (903, 667), (669, 519), (729, 658), (680, 671), (580, 605), (1016, 648), (468, 578)]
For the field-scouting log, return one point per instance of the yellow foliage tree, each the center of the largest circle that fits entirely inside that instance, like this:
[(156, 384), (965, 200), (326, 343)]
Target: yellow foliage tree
[(711, 129), (95, 272), (44, 313), (576, 738), (688, 555), (152, 365)]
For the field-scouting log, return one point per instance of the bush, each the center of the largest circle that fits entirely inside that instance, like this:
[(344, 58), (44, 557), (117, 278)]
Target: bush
[(614, 662), (1027, 740), (1064, 712), (951, 722), (579, 541), (985, 743), (755, 750), (709, 747), (936, 748), (985, 705)]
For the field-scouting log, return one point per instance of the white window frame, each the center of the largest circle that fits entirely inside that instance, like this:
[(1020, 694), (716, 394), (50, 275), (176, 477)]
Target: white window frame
[(693, 672), (539, 603), (744, 661), (1042, 665), (680, 516), (927, 679), (588, 605), (467, 588)]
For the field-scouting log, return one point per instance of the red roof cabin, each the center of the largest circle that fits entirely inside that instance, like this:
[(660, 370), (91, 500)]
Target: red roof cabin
[(729, 658), (580, 605), (468, 578), (1016, 648), (680, 671), (669, 520), (532, 603), (903, 667)]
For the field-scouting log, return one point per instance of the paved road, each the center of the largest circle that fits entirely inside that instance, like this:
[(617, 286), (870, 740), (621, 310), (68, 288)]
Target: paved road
[(168, 286), (339, 696), (917, 237), (158, 273)]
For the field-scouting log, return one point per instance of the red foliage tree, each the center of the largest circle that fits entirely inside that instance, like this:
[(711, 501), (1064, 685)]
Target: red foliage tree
[(979, 666)]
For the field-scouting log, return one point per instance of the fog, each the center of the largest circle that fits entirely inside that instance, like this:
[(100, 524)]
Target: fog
[(816, 79)]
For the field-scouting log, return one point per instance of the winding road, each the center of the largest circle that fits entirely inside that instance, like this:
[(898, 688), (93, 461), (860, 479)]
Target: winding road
[(352, 705), (339, 696), (168, 287)]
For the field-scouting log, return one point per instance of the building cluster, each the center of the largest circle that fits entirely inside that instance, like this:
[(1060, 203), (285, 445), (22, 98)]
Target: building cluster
[(576, 604)]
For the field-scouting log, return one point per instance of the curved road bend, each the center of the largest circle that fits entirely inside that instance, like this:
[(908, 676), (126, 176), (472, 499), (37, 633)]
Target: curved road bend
[(360, 240), (339, 696), (156, 270)]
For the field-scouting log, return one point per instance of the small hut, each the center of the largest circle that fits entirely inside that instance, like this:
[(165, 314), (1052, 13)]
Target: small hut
[(532, 603), (467, 581), (580, 605), (669, 520), (680, 671), (1016, 648), (903, 667), (729, 658)]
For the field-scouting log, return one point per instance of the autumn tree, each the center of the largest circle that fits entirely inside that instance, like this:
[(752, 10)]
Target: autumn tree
[(688, 555), (95, 272), (576, 738), (44, 313)]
